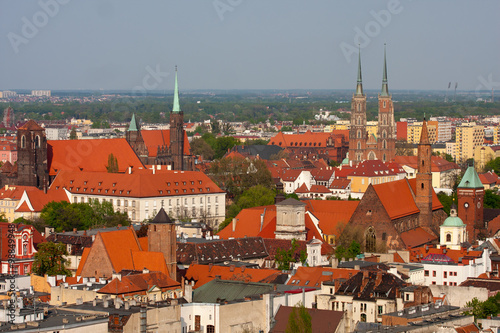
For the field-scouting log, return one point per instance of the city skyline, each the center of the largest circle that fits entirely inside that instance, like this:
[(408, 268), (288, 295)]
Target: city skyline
[(237, 44)]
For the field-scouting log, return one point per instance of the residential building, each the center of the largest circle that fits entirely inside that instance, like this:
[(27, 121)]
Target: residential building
[(444, 173), (467, 137), (415, 131), (370, 172), (40, 93)]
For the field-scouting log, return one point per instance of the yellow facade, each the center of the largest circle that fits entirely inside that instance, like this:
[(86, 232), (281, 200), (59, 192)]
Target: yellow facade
[(482, 155), (467, 137), (415, 130), (496, 133), (359, 184)]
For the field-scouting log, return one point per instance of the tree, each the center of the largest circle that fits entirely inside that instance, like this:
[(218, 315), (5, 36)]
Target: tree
[(491, 200), (481, 310), (201, 147), (72, 134), (493, 165), (447, 200), (284, 258), (299, 320), (50, 259), (112, 166)]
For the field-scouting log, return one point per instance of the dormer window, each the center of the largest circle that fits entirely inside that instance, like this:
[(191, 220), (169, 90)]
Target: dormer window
[(71, 181), (183, 183), (168, 183), (176, 183), (99, 183), (114, 184), (85, 182)]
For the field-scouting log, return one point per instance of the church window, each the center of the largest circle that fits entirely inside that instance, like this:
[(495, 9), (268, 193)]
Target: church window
[(359, 120), (23, 142), (359, 134), (384, 104), (359, 145), (423, 162), (384, 134), (371, 240), (384, 159), (359, 107), (37, 141), (448, 238), (422, 185), (384, 144)]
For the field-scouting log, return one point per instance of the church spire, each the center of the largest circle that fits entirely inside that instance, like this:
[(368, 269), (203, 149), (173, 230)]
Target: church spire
[(133, 124), (385, 87), (176, 107), (359, 86), (424, 136)]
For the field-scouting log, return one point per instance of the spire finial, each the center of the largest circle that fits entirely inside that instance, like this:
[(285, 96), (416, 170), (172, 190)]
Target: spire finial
[(359, 86), (385, 88), (176, 107)]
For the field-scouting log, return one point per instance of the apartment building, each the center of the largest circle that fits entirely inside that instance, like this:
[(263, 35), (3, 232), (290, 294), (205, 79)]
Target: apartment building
[(468, 137)]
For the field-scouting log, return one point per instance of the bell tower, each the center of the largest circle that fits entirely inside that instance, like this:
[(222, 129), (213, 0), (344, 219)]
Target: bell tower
[(357, 132), (386, 138), (177, 131), (470, 193), (162, 238), (32, 156), (423, 195)]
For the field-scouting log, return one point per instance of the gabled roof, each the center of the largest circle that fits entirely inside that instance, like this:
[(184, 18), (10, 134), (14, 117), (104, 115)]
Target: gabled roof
[(31, 125), (340, 184), (90, 155), (319, 189), (470, 179), (438, 164), (139, 283), (313, 276), (333, 215), (119, 246), (302, 189), (322, 174), (205, 273), (137, 184), (372, 168), (419, 253), (397, 198), (370, 285), (33, 199), (489, 178)]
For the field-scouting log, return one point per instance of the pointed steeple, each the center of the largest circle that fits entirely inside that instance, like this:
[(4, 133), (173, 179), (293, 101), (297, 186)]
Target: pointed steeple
[(385, 87), (176, 107), (133, 124), (424, 136), (359, 86)]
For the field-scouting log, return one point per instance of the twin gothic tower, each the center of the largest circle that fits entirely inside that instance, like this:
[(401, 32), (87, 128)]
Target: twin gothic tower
[(363, 146)]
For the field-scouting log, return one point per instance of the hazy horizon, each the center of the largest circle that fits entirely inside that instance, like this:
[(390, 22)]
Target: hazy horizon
[(248, 45)]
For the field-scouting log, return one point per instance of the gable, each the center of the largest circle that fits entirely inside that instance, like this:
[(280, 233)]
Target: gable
[(397, 198), (97, 263)]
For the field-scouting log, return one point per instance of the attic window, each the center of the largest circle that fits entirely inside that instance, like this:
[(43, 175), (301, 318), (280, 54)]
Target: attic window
[(201, 190), (368, 213), (128, 192), (184, 190), (176, 191), (99, 190), (57, 187), (85, 190), (168, 183), (106, 191), (114, 184), (168, 191), (71, 181), (192, 182), (114, 191), (176, 183), (121, 191), (91, 190), (85, 183), (99, 183), (183, 183), (192, 190), (199, 181), (161, 192), (208, 189)]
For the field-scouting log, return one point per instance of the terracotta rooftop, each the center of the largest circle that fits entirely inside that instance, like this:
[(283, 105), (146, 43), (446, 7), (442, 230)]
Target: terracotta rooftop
[(139, 283), (314, 276), (155, 138), (137, 185)]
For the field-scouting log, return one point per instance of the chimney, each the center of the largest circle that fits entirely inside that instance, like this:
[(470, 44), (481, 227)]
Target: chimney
[(145, 270), (234, 224), (129, 170)]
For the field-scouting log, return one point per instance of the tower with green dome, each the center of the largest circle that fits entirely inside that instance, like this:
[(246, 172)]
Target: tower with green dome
[(470, 193)]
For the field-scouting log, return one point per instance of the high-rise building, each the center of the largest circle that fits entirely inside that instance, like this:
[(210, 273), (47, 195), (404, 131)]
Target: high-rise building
[(467, 137), (40, 93), (8, 117)]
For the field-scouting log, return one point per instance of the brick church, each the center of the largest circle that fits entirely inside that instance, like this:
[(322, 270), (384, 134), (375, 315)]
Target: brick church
[(363, 146), (404, 213), (163, 147), (40, 160)]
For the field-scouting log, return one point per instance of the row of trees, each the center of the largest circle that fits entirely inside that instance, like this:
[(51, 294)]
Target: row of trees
[(67, 216)]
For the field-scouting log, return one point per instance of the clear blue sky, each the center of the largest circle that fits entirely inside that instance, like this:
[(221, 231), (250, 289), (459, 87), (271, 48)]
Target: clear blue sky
[(247, 44)]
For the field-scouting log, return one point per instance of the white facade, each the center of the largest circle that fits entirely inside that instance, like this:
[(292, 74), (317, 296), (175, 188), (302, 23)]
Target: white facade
[(455, 274), (53, 133), (41, 93), (207, 206), (305, 177)]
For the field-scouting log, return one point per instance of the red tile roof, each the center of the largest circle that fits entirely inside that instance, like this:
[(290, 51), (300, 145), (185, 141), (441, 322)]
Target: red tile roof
[(417, 254), (37, 199), (340, 184), (333, 215), (139, 284), (138, 184), (489, 178), (417, 237), (308, 139), (372, 168), (314, 276), (206, 273), (302, 189), (319, 189), (397, 198), (90, 155), (155, 138), (31, 125)]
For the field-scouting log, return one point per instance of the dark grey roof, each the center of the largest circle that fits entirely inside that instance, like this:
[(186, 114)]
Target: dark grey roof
[(264, 151), (161, 217), (291, 202)]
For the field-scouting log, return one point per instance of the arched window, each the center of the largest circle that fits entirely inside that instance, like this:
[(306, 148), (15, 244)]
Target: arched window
[(422, 186), (384, 134), (370, 240), (363, 317), (384, 159), (23, 142), (384, 104), (359, 134), (384, 144), (359, 120), (37, 141), (359, 145), (371, 156), (448, 238), (359, 107)]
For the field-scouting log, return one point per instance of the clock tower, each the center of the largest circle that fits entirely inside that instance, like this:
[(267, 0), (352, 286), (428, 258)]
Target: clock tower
[(470, 193)]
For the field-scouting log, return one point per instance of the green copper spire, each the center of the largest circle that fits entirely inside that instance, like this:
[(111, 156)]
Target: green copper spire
[(176, 107), (385, 88), (133, 124), (359, 86)]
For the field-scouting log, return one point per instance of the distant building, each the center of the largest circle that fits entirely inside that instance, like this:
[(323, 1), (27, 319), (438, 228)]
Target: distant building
[(8, 117), (467, 137), (40, 93)]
